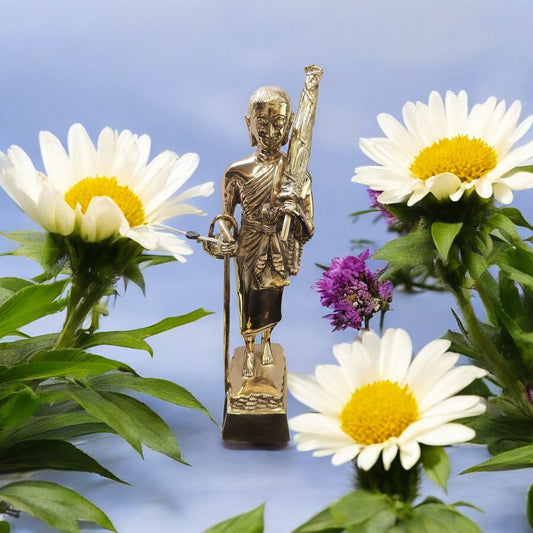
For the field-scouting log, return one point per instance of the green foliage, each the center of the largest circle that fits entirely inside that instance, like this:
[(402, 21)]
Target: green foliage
[(42, 247), (134, 421), (250, 522), (436, 464), (367, 512), (58, 506), (134, 338), (39, 454), (510, 460), (158, 388), (443, 235), (409, 251), (53, 390), (29, 304)]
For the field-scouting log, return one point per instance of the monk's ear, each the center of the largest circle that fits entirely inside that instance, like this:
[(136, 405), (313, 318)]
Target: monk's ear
[(288, 129), (253, 140)]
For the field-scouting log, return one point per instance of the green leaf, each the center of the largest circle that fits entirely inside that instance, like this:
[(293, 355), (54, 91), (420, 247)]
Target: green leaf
[(360, 506), (443, 234), (322, 522), (18, 407), (436, 464), (439, 518), (70, 355), (490, 429), (9, 286), (409, 251), (510, 299), (56, 454), (51, 369), (14, 284), (18, 351), (58, 506), (511, 460), (131, 419), (29, 304), (57, 426), (147, 260), (4, 527), (517, 263), (516, 217), (475, 263), (381, 522), (250, 522), (501, 226), (42, 247), (158, 388), (134, 338), (529, 506)]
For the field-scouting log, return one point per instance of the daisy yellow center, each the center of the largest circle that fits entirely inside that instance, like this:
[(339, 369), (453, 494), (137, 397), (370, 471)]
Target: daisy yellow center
[(465, 157), (86, 189), (378, 411)]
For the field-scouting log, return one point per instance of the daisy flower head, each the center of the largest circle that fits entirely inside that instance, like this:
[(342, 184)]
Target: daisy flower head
[(380, 401), (104, 191), (445, 149)]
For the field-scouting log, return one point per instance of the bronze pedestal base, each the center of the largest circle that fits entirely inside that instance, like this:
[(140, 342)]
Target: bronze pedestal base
[(256, 408)]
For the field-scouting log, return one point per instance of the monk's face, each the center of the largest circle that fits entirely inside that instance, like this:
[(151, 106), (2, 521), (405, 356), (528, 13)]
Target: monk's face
[(268, 123)]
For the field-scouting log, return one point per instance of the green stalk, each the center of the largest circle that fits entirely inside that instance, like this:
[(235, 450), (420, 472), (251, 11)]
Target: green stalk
[(396, 482), (95, 267), (491, 356), (78, 308)]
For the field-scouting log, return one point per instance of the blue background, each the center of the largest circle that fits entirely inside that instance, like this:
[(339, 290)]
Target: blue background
[(182, 72)]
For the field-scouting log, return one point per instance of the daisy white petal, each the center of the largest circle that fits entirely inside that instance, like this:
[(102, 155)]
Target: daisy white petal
[(409, 454), (102, 220), (59, 168), (443, 185), (395, 354), (18, 157), (307, 390), (82, 152), (448, 434), (444, 150), (368, 456), (389, 454), (502, 193), (345, 454), (370, 406)]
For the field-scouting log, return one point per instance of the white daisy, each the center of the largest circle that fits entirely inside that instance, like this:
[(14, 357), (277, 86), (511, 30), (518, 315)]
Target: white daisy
[(447, 150), (104, 191), (379, 401)]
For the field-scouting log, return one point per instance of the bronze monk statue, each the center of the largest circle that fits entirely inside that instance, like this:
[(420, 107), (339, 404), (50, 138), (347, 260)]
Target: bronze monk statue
[(274, 192)]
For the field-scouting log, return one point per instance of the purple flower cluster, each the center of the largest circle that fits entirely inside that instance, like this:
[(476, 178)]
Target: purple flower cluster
[(353, 291), (389, 217)]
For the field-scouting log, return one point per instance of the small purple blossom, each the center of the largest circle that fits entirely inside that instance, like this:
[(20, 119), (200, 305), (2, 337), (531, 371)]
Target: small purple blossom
[(353, 291), (390, 219)]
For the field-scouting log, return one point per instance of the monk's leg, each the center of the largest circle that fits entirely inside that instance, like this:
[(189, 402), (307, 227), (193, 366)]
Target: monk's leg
[(267, 358), (249, 362)]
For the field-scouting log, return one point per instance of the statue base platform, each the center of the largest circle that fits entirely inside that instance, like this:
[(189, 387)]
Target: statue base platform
[(256, 407)]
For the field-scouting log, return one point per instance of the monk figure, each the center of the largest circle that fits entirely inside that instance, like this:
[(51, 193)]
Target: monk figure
[(264, 259)]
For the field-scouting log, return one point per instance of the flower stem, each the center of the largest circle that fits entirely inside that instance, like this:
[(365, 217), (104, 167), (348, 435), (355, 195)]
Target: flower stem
[(81, 303), (492, 358), (95, 267), (395, 482)]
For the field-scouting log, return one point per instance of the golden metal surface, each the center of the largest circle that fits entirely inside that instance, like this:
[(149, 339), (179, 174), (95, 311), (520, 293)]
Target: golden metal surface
[(274, 192)]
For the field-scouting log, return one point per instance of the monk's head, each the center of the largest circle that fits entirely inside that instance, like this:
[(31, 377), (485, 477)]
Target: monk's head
[(269, 117)]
